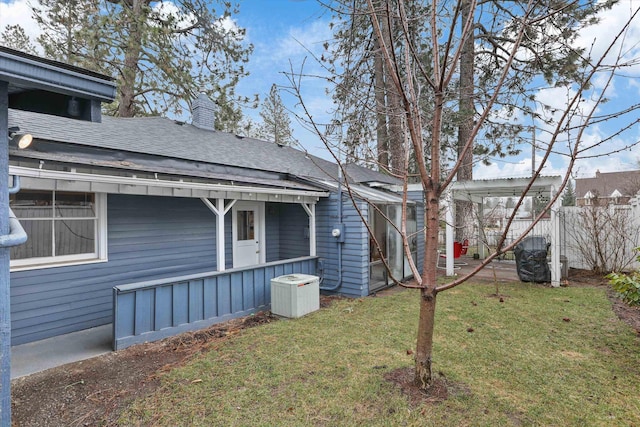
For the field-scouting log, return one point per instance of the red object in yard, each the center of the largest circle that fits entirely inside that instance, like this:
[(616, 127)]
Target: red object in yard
[(457, 249), (465, 246)]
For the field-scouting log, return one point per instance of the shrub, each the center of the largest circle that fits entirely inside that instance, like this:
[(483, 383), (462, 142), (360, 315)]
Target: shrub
[(627, 285)]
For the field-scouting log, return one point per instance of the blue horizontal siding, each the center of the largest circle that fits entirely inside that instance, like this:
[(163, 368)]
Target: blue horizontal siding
[(355, 249), (149, 237)]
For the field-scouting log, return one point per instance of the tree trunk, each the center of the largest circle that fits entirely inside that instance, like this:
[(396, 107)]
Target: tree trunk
[(126, 106), (424, 348), (464, 210), (381, 108)]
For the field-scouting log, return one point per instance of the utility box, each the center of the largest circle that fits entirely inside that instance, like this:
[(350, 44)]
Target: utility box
[(295, 295)]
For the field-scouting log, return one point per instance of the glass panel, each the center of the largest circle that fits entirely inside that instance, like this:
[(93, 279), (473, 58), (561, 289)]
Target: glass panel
[(32, 204), (75, 205), (38, 244), (394, 242), (412, 226), (75, 236), (379, 227), (245, 225)]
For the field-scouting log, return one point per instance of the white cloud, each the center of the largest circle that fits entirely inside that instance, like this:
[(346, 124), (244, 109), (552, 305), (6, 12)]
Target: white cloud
[(18, 12)]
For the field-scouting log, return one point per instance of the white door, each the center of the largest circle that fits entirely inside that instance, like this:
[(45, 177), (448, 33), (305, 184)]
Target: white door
[(247, 233)]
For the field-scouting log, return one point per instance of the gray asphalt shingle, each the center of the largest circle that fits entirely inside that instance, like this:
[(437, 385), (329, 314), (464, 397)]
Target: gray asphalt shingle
[(167, 138)]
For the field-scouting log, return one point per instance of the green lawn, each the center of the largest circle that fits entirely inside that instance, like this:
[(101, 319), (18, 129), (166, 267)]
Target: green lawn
[(552, 357)]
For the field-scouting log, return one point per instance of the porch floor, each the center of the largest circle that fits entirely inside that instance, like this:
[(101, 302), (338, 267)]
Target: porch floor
[(27, 359)]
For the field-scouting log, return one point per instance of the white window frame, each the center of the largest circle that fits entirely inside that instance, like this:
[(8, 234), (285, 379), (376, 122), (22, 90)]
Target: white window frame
[(67, 260)]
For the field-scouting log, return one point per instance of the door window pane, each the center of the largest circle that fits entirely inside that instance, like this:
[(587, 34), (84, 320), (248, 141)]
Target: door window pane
[(245, 225)]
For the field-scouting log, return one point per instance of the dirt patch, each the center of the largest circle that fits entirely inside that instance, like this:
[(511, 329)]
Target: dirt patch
[(94, 392)]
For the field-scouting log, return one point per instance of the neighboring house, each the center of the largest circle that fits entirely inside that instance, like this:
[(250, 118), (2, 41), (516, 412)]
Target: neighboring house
[(161, 226), (605, 188)]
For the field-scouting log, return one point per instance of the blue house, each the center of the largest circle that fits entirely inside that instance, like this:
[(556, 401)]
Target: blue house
[(160, 226)]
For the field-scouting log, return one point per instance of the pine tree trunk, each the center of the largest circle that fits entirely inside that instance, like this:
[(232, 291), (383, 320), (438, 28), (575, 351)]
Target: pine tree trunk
[(464, 210), (381, 109), (126, 106)]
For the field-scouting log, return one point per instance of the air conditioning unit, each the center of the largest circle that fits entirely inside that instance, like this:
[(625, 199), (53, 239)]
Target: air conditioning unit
[(295, 295)]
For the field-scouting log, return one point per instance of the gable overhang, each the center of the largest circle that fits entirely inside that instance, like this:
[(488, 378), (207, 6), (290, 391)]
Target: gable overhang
[(24, 71), (104, 183)]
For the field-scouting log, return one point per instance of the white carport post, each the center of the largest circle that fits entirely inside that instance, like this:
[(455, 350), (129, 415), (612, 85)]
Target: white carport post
[(555, 240), (311, 211), (448, 218), (220, 210)]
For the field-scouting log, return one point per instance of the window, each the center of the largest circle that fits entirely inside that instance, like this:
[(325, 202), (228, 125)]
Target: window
[(245, 225), (62, 227)]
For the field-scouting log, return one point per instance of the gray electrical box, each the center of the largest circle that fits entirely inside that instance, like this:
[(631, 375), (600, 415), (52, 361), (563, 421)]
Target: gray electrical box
[(295, 295)]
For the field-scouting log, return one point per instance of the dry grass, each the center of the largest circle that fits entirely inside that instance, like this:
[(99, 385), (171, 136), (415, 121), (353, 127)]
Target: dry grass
[(541, 357)]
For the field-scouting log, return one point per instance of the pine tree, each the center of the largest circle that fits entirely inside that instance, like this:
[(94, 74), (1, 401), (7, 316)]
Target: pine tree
[(569, 195), (161, 54), (14, 37), (276, 124)]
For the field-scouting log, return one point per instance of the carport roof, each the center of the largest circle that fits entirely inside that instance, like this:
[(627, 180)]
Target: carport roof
[(476, 190)]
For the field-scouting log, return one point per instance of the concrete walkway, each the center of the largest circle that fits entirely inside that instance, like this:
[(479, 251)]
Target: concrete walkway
[(27, 359)]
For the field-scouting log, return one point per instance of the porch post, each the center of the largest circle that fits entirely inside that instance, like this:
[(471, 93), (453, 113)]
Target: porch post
[(449, 234), (220, 210), (555, 241), (481, 236), (311, 211), (220, 243)]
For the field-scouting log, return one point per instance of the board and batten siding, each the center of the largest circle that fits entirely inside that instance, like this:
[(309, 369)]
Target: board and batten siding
[(148, 238), (355, 249)]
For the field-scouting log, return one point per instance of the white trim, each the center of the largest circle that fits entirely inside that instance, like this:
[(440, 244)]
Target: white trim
[(259, 222), (58, 263), (100, 253), (135, 185), (311, 211)]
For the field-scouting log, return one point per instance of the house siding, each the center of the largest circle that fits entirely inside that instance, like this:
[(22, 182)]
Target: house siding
[(293, 231), (148, 238), (355, 249)]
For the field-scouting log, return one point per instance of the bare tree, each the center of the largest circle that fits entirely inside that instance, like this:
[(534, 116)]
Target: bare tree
[(604, 236), (423, 74)]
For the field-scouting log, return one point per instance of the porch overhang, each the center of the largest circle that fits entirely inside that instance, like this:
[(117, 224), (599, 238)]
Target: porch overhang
[(101, 183)]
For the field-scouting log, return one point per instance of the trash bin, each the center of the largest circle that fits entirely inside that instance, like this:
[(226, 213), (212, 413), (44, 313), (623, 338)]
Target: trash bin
[(531, 259)]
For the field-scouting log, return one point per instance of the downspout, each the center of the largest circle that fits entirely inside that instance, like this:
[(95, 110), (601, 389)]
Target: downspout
[(339, 237)]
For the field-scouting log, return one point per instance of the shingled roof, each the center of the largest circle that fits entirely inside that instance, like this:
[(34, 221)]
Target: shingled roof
[(159, 136), (604, 184)]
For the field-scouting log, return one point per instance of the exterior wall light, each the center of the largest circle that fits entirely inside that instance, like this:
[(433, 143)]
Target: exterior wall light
[(18, 139)]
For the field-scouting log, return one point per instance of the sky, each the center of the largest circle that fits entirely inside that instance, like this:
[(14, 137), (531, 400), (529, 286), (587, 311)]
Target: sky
[(287, 34)]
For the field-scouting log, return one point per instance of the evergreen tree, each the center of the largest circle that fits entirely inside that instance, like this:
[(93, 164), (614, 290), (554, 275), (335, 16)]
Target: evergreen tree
[(162, 54), (14, 37), (569, 195), (276, 124)]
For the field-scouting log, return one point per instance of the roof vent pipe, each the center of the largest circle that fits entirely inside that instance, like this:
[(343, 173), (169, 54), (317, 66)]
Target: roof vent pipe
[(73, 107), (203, 111)]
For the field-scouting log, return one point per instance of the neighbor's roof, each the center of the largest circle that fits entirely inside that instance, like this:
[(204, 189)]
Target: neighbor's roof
[(164, 137), (604, 184)]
